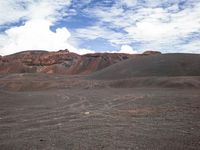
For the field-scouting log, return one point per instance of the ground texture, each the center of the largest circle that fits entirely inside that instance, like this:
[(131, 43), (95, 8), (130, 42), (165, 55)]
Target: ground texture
[(40, 112)]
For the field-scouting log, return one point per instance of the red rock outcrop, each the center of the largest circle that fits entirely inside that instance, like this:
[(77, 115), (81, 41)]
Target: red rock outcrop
[(93, 62), (62, 62)]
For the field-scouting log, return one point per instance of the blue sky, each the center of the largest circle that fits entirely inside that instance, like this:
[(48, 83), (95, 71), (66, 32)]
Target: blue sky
[(129, 26)]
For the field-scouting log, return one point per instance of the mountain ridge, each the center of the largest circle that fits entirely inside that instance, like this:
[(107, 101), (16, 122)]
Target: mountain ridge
[(61, 62)]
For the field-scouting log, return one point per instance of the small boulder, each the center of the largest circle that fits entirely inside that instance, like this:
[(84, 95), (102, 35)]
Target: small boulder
[(87, 113)]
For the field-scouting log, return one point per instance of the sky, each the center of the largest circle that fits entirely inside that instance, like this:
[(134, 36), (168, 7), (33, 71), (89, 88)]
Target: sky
[(88, 26)]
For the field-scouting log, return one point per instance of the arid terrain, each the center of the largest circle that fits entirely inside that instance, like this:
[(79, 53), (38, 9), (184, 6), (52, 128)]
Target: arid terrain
[(150, 102), (61, 62)]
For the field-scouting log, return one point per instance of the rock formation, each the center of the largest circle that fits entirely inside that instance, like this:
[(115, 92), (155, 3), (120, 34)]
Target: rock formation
[(62, 62)]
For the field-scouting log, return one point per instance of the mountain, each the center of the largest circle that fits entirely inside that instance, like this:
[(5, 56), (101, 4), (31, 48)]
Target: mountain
[(152, 65), (61, 62)]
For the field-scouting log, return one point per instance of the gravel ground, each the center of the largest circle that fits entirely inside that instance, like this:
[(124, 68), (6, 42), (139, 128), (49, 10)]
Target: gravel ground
[(100, 118)]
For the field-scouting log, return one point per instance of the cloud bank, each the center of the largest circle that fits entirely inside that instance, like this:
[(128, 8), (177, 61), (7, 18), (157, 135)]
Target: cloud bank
[(168, 26), (126, 25)]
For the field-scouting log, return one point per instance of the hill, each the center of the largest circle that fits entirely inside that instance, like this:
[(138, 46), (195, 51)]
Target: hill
[(152, 65), (61, 62)]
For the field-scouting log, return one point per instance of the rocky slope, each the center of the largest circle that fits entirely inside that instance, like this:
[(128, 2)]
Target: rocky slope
[(62, 62)]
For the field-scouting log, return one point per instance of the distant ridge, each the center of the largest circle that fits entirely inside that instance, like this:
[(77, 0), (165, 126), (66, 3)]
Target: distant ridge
[(152, 65)]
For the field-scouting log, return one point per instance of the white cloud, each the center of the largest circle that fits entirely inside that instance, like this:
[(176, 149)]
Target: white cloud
[(163, 25), (145, 22), (156, 27), (10, 11), (35, 34), (48, 9), (94, 32), (127, 49), (129, 3), (13, 10), (85, 51)]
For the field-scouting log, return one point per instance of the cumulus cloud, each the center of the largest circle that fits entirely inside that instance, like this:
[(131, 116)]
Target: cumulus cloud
[(35, 33), (127, 49)]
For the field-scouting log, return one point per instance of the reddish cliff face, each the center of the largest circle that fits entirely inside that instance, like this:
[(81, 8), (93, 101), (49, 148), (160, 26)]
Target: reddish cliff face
[(93, 62), (62, 62)]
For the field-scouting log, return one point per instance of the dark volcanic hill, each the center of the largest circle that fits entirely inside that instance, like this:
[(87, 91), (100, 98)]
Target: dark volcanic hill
[(62, 62), (153, 65)]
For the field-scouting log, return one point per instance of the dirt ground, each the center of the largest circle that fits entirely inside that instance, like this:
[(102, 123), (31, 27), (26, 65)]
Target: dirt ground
[(97, 118)]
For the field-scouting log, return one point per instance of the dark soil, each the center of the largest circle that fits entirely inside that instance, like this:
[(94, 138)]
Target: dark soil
[(152, 65), (53, 112)]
